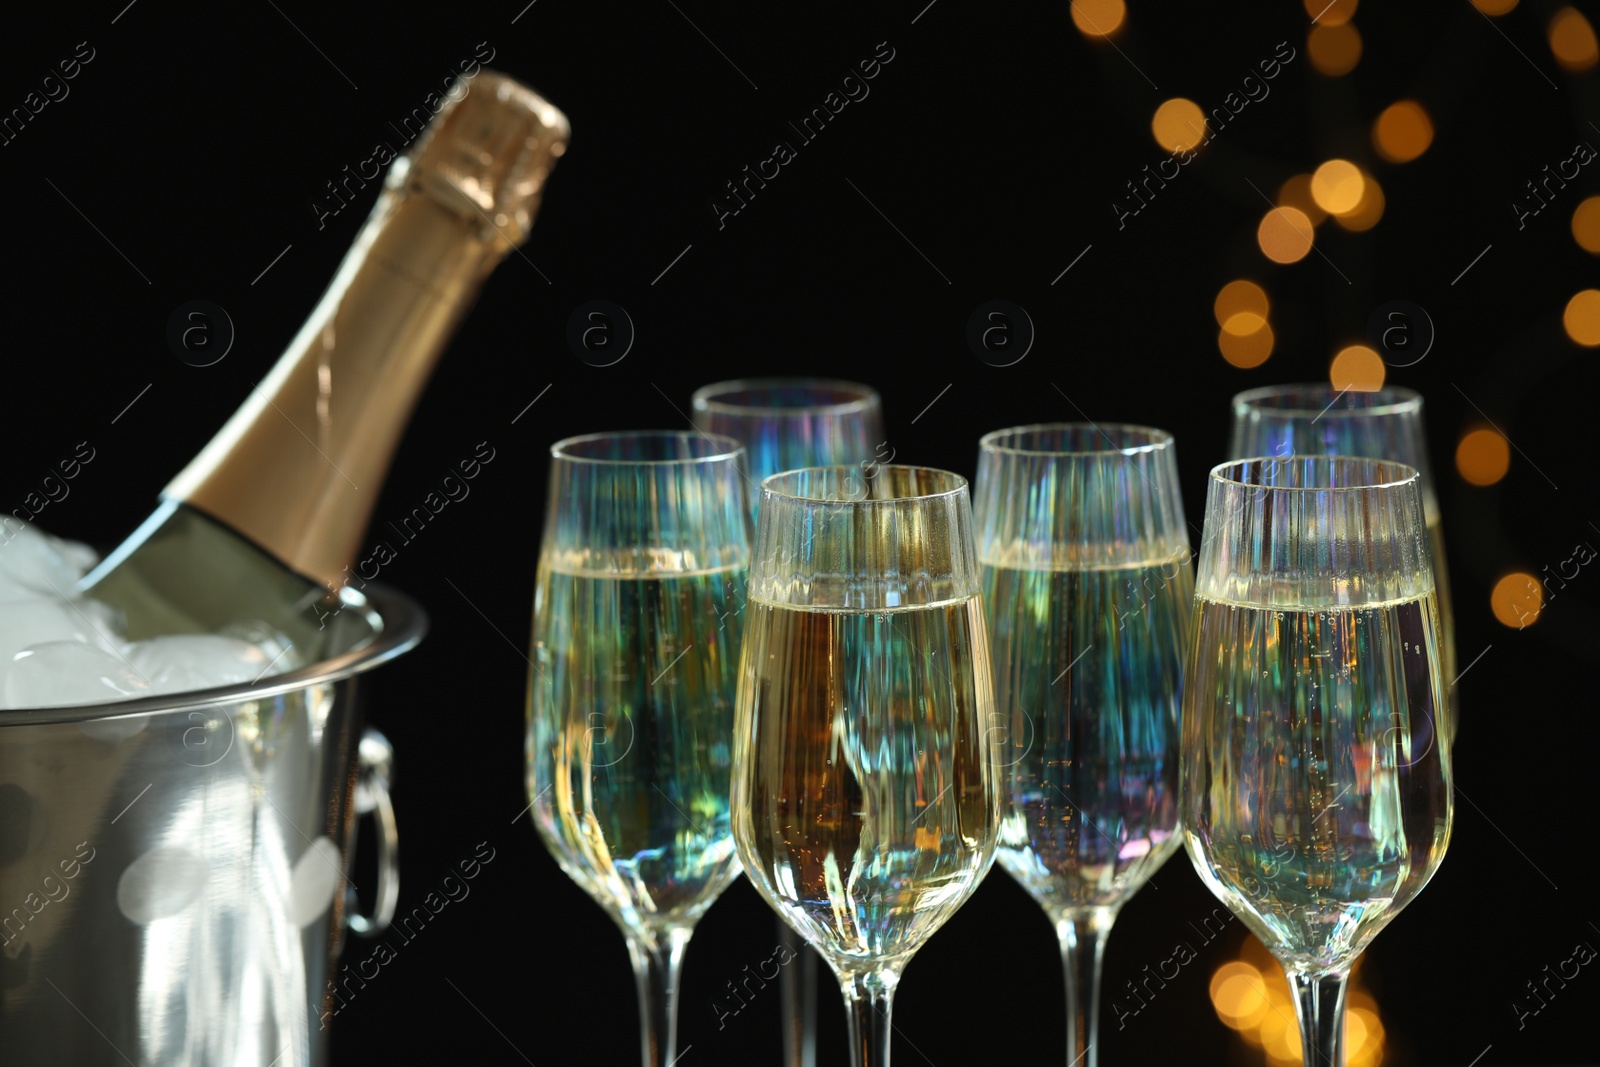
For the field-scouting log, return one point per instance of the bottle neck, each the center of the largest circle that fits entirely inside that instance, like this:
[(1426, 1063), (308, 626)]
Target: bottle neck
[(298, 468)]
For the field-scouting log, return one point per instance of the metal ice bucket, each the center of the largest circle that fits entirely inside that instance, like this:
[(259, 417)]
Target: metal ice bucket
[(174, 880)]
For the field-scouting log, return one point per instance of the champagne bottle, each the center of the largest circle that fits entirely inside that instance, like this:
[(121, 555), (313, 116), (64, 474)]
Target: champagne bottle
[(259, 528)]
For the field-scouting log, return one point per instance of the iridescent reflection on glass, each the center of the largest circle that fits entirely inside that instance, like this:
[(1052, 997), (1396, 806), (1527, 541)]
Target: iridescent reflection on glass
[(1087, 585), (785, 424), (630, 715), (865, 802), (1316, 783), (1318, 420), (789, 423)]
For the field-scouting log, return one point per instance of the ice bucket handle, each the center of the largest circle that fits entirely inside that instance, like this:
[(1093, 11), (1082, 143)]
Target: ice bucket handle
[(376, 760)]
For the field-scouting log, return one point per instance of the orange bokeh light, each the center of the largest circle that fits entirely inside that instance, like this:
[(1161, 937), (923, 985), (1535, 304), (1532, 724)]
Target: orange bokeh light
[(1586, 225), (1098, 18), (1358, 369), (1572, 40), (1331, 12), (1284, 235), (1582, 318), (1296, 193), (1483, 457), (1402, 132), (1517, 599), (1246, 350), (1240, 297), (1336, 186), (1334, 50), (1178, 124), (1366, 214)]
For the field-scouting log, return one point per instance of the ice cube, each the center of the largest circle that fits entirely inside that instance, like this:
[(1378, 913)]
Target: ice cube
[(79, 556), (104, 621), (31, 565), (279, 650), (183, 662), (24, 623), (67, 649), (69, 672)]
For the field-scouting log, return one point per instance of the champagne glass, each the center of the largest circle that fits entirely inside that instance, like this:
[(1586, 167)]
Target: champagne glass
[(636, 644), (1316, 791), (1318, 420), (787, 423), (865, 803), (1087, 586)]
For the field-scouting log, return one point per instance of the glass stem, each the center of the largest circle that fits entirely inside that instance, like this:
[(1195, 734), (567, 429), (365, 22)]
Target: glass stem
[(657, 965), (1083, 945), (797, 989), (1319, 1002), (868, 999)]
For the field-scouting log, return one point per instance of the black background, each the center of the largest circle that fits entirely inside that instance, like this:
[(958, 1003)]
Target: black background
[(996, 141)]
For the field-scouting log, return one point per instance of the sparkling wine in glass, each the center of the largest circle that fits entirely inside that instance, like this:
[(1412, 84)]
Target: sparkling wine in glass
[(785, 424), (866, 803), (630, 715), (1386, 423), (1087, 586), (1317, 797)]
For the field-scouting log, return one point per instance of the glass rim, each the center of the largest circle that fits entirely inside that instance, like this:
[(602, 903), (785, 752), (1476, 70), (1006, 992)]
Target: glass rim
[(1403, 473), (728, 449), (704, 398), (1160, 439), (1398, 400), (957, 487)]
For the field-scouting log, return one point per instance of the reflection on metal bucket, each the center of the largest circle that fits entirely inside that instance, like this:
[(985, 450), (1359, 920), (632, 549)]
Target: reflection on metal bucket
[(173, 879)]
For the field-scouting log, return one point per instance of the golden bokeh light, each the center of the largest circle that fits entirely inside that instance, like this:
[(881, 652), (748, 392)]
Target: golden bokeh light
[(1586, 225), (1483, 457), (1334, 50), (1240, 297), (1367, 213), (1517, 599), (1355, 1033), (1572, 40), (1402, 132), (1280, 1040), (1244, 323), (1368, 1050), (1178, 124), (1252, 995), (1284, 235), (1582, 318), (1281, 1043), (1334, 13), (1246, 350), (1098, 18), (1336, 186), (1358, 369), (1494, 7), (1296, 193), (1240, 995)]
